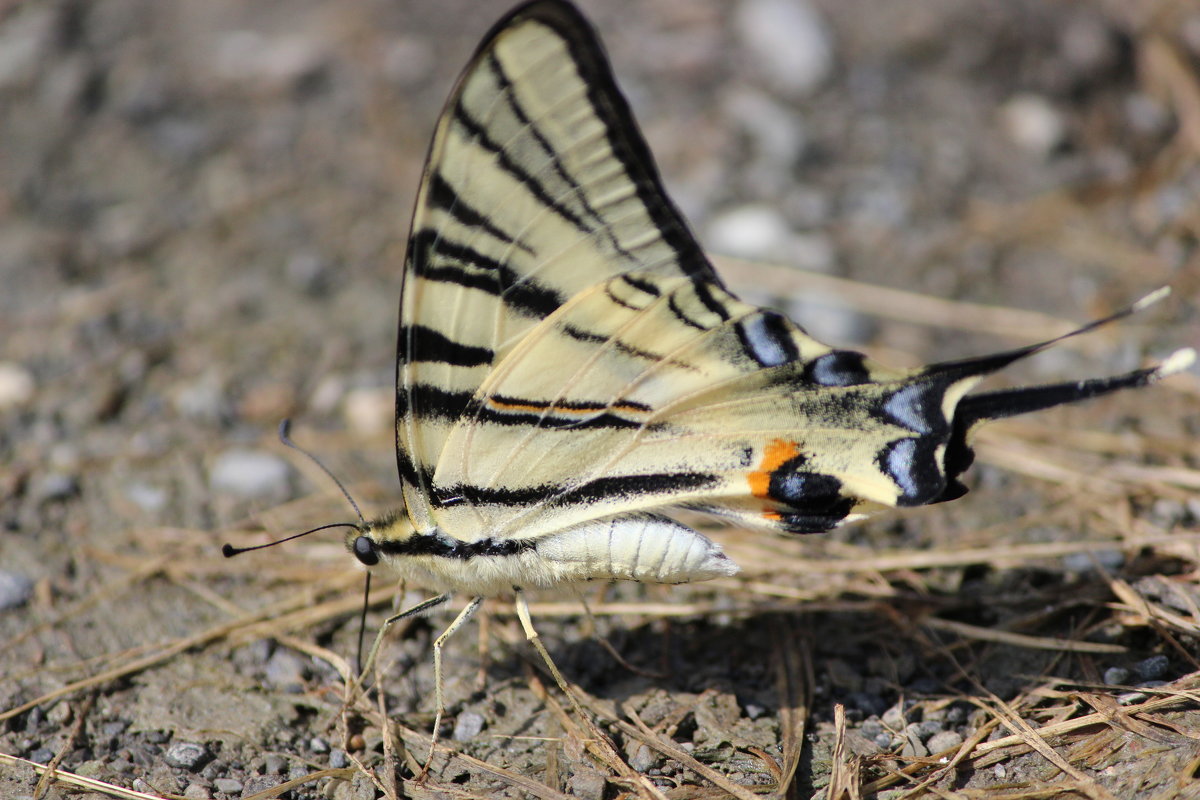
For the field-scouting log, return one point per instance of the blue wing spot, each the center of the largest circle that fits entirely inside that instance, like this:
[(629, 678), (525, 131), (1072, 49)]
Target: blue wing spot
[(768, 340), (839, 368)]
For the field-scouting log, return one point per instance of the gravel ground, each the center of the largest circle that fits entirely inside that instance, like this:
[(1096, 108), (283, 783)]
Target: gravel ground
[(204, 209)]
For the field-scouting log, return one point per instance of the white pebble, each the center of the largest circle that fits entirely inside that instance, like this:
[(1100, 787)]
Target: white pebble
[(789, 41), (751, 231), (468, 725), (15, 589), (1033, 124), (16, 385), (249, 473), (369, 411)]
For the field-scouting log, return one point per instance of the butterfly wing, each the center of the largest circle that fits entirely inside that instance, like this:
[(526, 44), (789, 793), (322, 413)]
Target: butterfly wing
[(538, 185), (569, 357)]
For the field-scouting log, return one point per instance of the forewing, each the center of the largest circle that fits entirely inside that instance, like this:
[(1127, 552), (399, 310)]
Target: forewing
[(538, 185)]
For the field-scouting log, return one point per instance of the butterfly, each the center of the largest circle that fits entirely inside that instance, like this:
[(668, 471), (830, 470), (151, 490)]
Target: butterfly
[(571, 369)]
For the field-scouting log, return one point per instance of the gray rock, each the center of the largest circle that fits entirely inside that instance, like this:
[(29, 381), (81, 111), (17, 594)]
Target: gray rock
[(468, 725), (1116, 676), (187, 755), (249, 473), (17, 385), (1152, 668), (228, 785), (789, 42), (944, 740), (15, 589)]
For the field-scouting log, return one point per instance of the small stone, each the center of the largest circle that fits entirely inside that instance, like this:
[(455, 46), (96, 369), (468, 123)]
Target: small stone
[(285, 671), (1033, 124), (1152, 668), (750, 231), (249, 473), (187, 755), (259, 783), (1132, 698), (369, 411), (59, 714), (228, 786), (273, 764), (943, 741), (468, 725), (146, 497), (913, 746), (17, 385), (318, 745), (1110, 560), (15, 589), (587, 785), (197, 791), (1116, 676), (789, 41), (894, 718), (338, 758), (41, 755), (55, 486), (928, 728), (643, 759)]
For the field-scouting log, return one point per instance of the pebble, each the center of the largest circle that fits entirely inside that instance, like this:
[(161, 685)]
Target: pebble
[(15, 589), (893, 718), (187, 755), (41, 755), (197, 791), (369, 411), (1152, 668), (228, 785), (17, 385), (750, 231), (338, 758), (1033, 124), (275, 63), (273, 764), (249, 473), (259, 783), (468, 725), (943, 741), (913, 746), (789, 42), (146, 497), (1087, 562), (643, 759), (587, 785), (55, 486), (285, 671), (318, 745), (1116, 676)]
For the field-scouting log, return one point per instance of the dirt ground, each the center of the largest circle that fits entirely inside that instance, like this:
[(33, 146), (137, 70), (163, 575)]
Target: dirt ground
[(203, 210)]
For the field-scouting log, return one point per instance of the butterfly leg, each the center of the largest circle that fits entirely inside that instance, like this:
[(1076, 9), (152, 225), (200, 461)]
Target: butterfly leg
[(458, 622), (419, 608)]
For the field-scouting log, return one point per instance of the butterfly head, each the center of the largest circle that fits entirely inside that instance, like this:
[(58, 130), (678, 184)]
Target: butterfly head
[(372, 541)]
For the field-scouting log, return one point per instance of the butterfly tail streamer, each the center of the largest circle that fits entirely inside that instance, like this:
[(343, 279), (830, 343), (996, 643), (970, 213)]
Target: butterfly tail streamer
[(974, 411)]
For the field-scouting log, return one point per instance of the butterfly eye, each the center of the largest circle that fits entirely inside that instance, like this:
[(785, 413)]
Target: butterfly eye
[(366, 551)]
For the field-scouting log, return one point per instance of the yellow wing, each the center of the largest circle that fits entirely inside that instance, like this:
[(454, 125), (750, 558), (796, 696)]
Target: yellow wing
[(568, 356)]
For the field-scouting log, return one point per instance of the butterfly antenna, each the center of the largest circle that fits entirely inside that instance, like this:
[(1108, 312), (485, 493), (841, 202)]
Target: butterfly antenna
[(229, 551), (285, 427)]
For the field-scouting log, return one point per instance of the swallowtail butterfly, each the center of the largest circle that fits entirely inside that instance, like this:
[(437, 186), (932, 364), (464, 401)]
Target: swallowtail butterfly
[(570, 367)]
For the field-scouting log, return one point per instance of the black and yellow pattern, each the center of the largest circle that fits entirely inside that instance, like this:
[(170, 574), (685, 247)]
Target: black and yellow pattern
[(570, 366)]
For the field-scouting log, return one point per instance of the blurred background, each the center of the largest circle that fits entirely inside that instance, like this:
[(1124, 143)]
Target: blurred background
[(203, 212)]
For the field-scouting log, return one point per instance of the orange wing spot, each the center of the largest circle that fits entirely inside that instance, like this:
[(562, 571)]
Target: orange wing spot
[(775, 455), (770, 515)]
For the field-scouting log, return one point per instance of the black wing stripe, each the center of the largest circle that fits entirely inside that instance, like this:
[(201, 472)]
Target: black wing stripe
[(552, 156), (518, 172), (427, 344), (590, 492), (442, 195), (466, 266)]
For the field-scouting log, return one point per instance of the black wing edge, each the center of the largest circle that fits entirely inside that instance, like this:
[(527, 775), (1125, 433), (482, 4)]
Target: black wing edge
[(624, 135), (976, 410)]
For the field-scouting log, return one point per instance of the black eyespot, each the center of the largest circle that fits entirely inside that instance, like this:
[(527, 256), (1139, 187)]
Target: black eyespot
[(366, 551)]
